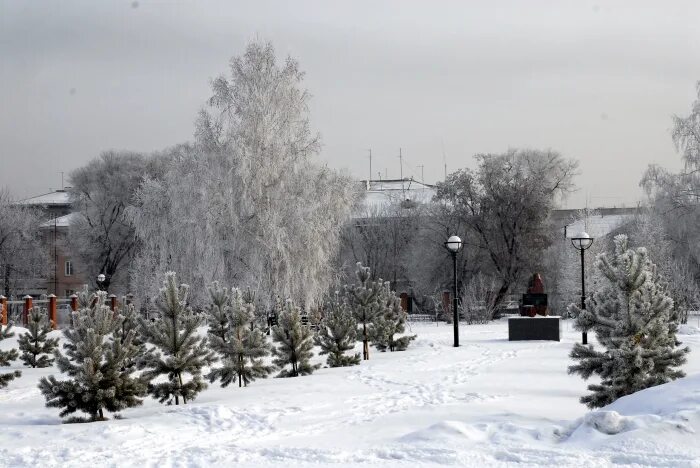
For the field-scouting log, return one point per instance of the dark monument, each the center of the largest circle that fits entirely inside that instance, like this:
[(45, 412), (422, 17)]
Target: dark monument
[(533, 323), (534, 301)]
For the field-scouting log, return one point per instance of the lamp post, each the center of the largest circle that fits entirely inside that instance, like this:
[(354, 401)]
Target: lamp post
[(454, 245), (100, 281), (582, 242)]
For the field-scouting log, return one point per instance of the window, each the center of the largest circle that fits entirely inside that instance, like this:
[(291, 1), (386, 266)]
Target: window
[(69, 268), (70, 292)]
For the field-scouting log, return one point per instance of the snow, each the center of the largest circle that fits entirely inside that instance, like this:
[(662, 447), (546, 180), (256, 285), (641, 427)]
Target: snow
[(61, 222), (598, 225), (490, 402), (57, 197)]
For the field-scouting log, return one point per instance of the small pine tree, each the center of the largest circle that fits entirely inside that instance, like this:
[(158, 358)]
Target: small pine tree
[(7, 356), (95, 361), (295, 344), (632, 317), (337, 333), (131, 324), (35, 345), (218, 312), (365, 301), (179, 348), (389, 323), (242, 348)]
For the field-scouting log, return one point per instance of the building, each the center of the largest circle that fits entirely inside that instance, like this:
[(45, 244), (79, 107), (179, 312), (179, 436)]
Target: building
[(63, 276)]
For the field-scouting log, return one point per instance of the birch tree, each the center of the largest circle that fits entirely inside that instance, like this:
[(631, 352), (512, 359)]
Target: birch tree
[(246, 203)]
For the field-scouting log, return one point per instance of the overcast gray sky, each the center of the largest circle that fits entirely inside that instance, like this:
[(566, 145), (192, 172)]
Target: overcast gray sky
[(597, 81)]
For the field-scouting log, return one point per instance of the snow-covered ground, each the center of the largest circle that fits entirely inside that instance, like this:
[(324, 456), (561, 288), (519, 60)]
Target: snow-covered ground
[(488, 403)]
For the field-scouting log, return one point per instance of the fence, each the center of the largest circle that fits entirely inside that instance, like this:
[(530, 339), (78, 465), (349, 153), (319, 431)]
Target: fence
[(59, 310)]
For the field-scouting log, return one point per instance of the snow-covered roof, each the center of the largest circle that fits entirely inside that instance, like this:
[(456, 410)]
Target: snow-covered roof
[(383, 193), (598, 225), (61, 221), (56, 198)]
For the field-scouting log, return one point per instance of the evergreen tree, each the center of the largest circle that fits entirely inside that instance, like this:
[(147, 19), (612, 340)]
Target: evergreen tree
[(243, 347), (337, 334), (131, 323), (365, 301), (389, 323), (295, 344), (35, 345), (633, 319), (7, 356), (179, 348), (219, 311), (95, 361)]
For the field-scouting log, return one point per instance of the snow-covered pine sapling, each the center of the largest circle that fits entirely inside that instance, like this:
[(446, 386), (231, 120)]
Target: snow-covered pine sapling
[(365, 301), (337, 333), (294, 344), (36, 347), (632, 317), (389, 323), (131, 324), (7, 356), (179, 350), (95, 361), (243, 346), (218, 311)]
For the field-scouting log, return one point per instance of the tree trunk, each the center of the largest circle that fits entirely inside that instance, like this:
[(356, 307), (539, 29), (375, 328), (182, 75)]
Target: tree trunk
[(499, 296), (365, 343)]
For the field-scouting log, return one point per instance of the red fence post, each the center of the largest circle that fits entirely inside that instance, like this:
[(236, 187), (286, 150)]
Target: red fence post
[(113, 302), (3, 309), (52, 311), (27, 306), (404, 301), (74, 302)]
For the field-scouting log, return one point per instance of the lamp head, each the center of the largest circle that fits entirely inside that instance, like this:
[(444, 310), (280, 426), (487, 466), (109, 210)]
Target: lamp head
[(582, 241), (454, 244)]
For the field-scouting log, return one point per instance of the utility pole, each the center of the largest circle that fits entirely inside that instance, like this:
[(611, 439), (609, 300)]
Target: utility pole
[(403, 192), (422, 179), (370, 165)]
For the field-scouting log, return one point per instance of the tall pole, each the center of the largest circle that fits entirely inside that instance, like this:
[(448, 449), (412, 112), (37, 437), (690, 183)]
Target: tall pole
[(454, 299), (584, 335), (370, 166)]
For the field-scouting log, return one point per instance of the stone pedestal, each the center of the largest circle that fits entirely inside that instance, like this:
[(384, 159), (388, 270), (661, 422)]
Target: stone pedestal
[(533, 328)]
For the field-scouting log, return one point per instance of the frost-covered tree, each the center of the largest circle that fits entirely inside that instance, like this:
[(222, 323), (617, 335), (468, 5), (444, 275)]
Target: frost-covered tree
[(366, 301), (95, 360), (179, 350), (505, 203), (294, 344), (247, 203), (131, 327), (7, 356), (632, 317), (219, 311), (35, 345), (242, 347), (101, 233), (389, 323), (22, 254), (337, 334)]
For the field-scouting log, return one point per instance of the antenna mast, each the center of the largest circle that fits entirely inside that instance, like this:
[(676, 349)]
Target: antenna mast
[(370, 165), (403, 192)]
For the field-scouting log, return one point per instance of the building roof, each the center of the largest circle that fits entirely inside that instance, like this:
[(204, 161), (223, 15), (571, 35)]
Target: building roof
[(60, 222), (598, 225), (384, 193), (55, 198)]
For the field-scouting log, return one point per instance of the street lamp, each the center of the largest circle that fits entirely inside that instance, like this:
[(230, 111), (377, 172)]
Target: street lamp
[(100, 281), (582, 242), (454, 245)]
